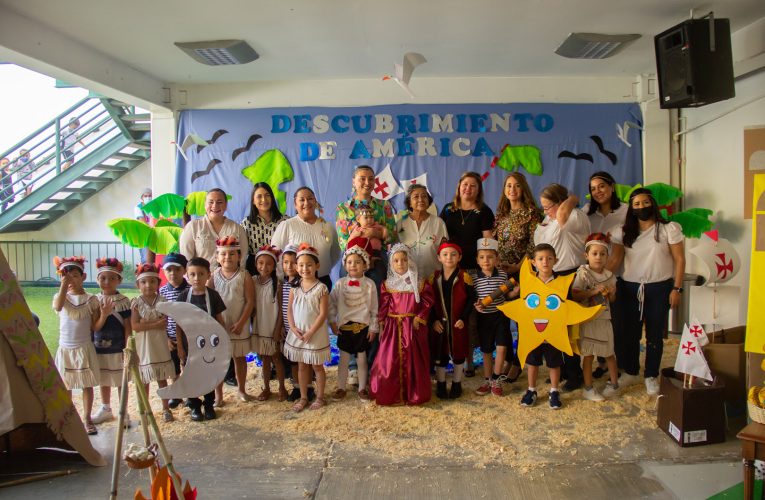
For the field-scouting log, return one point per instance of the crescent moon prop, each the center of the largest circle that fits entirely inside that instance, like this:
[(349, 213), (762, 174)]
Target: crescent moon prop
[(209, 351)]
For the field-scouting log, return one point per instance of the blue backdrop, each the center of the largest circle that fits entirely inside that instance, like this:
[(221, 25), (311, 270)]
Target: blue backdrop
[(323, 145)]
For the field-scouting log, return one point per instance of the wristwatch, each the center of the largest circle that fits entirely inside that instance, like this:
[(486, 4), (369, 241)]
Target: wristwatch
[(678, 289)]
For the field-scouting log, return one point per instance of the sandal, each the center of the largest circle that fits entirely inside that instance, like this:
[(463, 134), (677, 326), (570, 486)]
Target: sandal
[(90, 428), (339, 394), (300, 405), (263, 396), (283, 395), (318, 404)]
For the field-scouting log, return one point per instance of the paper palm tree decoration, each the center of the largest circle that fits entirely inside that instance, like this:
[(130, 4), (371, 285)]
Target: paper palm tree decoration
[(175, 206), (160, 239)]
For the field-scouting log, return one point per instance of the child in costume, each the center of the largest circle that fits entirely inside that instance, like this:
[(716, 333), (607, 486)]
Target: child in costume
[(401, 369), (308, 340), (353, 316), (543, 258), (78, 311), (174, 267), (150, 327), (493, 326), (238, 293), (208, 300), (110, 333), (454, 299), (269, 332), (596, 285)]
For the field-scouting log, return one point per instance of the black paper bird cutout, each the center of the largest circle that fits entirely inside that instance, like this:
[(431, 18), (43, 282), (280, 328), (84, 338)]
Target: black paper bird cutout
[(599, 142), (202, 173), (212, 140), (250, 142), (582, 156)]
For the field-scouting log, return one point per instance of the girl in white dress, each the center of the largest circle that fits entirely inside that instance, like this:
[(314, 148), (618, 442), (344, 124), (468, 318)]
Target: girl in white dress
[(595, 285), (238, 293), (78, 311), (268, 327), (308, 340), (150, 327)]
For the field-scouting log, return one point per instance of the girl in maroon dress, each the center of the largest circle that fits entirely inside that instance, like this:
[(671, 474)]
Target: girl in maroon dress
[(401, 370)]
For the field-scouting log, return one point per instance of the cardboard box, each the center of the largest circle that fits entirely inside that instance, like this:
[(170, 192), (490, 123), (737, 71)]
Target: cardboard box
[(726, 359), (691, 416)]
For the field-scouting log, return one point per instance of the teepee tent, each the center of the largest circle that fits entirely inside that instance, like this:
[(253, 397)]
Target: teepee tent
[(35, 408)]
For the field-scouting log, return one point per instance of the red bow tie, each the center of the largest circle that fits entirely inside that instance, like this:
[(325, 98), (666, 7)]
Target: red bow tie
[(353, 283)]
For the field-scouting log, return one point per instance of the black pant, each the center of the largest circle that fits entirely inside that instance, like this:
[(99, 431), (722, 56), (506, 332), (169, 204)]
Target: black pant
[(196, 403), (655, 313)]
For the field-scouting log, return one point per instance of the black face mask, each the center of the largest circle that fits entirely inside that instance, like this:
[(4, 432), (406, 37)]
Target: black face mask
[(644, 213)]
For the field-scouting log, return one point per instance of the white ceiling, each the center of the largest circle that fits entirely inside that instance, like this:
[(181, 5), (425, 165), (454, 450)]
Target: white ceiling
[(329, 39)]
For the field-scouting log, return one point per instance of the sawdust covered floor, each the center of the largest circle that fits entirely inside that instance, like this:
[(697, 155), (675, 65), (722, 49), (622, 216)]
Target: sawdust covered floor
[(353, 448)]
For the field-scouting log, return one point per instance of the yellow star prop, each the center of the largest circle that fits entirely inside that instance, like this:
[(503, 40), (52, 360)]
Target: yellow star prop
[(543, 313)]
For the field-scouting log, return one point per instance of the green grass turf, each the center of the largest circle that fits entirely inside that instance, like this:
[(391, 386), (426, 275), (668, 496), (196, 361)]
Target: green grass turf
[(40, 300)]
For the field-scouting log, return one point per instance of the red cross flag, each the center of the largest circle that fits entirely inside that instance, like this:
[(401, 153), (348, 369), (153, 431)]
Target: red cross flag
[(698, 332), (422, 180), (386, 186), (690, 359)]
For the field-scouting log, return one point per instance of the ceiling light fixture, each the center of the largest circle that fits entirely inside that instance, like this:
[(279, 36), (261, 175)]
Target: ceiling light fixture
[(593, 45), (219, 52)]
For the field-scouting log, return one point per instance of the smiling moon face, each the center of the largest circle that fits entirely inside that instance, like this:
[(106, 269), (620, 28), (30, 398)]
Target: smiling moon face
[(209, 351)]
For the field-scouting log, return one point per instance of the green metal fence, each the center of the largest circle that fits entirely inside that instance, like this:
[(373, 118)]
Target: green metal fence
[(32, 261)]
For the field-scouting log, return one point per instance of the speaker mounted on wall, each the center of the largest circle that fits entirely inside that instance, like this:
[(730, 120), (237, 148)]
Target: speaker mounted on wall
[(694, 63)]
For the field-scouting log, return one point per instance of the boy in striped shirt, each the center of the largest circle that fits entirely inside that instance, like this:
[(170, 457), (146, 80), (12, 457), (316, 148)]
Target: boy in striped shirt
[(174, 267), (493, 326)]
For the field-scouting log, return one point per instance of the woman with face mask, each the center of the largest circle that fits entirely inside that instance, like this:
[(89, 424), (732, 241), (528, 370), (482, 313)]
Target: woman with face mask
[(654, 264)]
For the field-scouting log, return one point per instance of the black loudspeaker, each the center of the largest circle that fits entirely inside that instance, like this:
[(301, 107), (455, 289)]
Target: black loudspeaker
[(694, 63)]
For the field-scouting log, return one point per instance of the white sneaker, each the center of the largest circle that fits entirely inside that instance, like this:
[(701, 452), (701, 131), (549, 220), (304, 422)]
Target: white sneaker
[(651, 386), (592, 395), (626, 380), (353, 378), (103, 414), (610, 390)]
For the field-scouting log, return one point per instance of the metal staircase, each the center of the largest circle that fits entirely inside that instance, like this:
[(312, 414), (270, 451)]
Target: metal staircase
[(116, 139)]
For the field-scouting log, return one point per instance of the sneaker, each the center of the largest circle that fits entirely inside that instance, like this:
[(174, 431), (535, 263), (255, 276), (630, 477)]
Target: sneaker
[(456, 390), (485, 388), (353, 378), (196, 415), (174, 403), (210, 413), (626, 380), (529, 399), (104, 414), (610, 390), (294, 395), (167, 416), (592, 395), (231, 381), (496, 387), (652, 386), (573, 384), (364, 395), (441, 392), (555, 403)]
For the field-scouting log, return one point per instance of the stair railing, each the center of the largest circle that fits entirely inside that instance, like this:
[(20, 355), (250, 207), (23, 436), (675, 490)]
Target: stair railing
[(45, 148)]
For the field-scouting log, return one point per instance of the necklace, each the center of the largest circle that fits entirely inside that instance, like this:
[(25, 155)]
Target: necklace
[(462, 215)]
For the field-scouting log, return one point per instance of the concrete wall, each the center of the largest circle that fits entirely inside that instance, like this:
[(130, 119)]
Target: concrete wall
[(714, 160)]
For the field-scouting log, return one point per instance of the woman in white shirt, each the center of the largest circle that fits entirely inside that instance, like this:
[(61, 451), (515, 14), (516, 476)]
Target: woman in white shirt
[(307, 227), (654, 264), (566, 228), (606, 214), (421, 231)]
